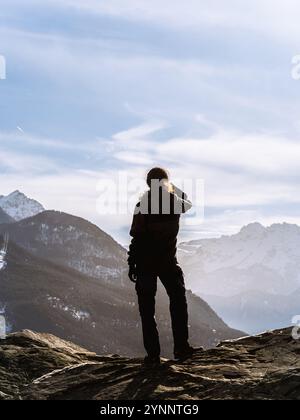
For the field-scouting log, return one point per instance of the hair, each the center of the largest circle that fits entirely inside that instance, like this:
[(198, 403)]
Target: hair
[(157, 173)]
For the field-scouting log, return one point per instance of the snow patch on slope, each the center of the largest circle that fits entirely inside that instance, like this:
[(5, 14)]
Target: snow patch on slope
[(77, 314), (3, 253)]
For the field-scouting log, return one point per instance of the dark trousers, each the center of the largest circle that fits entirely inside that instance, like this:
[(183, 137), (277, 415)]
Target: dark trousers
[(146, 287)]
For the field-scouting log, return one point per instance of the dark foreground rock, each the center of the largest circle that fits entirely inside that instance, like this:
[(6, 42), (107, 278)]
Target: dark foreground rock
[(36, 366)]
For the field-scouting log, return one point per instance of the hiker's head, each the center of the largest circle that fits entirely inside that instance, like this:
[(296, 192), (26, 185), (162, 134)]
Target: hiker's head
[(157, 174)]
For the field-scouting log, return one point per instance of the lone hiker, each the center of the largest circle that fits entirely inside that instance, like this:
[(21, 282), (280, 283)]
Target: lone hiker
[(152, 254)]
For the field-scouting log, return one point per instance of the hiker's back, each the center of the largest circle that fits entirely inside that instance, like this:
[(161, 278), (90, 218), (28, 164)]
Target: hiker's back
[(156, 225)]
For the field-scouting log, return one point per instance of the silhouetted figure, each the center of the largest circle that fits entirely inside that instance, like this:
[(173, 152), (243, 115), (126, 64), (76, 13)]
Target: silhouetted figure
[(152, 254)]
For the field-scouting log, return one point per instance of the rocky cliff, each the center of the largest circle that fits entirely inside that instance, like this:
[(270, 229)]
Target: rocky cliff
[(41, 366)]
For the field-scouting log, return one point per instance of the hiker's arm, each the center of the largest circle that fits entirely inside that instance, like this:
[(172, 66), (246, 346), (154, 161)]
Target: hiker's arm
[(136, 231), (132, 253), (132, 274), (181, 202)]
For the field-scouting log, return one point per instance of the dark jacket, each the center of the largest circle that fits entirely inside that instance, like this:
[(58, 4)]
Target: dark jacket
[(155, 228)]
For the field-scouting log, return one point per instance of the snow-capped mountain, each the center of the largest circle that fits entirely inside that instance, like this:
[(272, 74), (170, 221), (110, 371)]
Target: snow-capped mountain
[(18, 206), (258, 261), (257, 258)]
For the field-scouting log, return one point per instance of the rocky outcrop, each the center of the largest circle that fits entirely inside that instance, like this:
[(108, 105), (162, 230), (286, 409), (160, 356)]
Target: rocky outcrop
[(36, 366), (26, 356)]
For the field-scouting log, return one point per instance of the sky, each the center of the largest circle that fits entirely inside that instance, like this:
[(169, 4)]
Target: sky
[(96, 90)]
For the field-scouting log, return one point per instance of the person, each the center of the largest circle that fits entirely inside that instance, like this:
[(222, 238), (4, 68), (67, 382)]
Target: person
[(152, 255)]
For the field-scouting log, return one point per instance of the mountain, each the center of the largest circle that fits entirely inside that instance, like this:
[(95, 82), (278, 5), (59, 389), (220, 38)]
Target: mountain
[(255, 311), (250, 278), (72, 242), (18, 206), (43, 367), (5, 218), (98, 314)]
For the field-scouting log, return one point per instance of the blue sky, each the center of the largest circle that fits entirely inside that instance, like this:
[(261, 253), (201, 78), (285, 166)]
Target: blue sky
[(203, 87)]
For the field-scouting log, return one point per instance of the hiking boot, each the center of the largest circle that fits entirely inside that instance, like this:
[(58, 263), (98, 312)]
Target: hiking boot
[(151, 361), (186, 353)]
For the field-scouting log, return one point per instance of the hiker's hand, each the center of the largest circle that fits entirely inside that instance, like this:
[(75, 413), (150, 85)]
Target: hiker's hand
[(179, 192), (132, 274)]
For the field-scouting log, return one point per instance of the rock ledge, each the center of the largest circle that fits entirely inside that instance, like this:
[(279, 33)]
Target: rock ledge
[(43, 367)]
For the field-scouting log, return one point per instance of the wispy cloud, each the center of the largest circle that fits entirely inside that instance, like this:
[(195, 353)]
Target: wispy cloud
[(228, 161), (26, 164), (259, 154), (268, 17), (140, 132)]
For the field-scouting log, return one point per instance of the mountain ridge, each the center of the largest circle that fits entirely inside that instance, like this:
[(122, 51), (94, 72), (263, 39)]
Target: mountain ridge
[(71, 241), (227, 270)]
